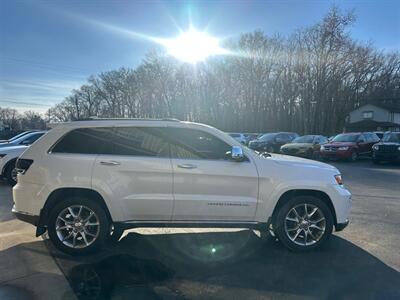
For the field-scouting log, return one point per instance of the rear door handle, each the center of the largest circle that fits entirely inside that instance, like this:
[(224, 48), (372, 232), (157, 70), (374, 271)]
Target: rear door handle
[(110, 163), (187, 166)]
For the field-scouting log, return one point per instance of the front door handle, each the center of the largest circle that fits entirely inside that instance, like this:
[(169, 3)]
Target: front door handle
[(187, 166), (110, 163)]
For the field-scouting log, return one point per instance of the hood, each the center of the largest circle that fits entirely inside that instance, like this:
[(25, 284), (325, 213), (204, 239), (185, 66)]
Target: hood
[(340, 144), (298, 145), (13, 149), (287, 160)]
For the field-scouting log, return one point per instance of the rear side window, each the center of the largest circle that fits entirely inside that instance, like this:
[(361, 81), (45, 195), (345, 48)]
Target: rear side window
[(86, 141), (140, 141), (195, 144)]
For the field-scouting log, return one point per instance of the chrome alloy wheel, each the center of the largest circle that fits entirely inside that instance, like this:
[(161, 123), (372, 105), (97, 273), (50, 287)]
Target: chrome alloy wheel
[(305, 224), (77, 226)]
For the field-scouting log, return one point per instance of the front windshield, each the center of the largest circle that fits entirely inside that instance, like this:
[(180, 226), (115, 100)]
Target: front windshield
[(309, 139), (346, 138), (267, 137), (391, 138)]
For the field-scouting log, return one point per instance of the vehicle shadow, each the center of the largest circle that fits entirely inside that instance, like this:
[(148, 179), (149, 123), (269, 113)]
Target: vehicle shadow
[(227, 265)]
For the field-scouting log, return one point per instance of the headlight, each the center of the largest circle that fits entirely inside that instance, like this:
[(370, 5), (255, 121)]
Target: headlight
[(322, 147), (338, 179), (343, 148), (376, 147)]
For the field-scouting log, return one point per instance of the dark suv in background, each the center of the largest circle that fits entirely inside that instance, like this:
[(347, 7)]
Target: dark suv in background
[(349, 146), (388, 149), (272, 142)]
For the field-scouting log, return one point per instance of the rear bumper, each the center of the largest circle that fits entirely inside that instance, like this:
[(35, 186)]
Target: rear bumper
[(341, 226), (26, 217)]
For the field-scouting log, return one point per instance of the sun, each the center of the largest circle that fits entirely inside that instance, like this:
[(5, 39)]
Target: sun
[(193, 46)]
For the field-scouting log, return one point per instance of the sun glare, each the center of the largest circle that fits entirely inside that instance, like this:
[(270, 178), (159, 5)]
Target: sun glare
[(193, 46)]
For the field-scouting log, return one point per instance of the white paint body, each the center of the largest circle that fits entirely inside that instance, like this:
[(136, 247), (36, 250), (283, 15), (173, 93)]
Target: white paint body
[(149, 189)]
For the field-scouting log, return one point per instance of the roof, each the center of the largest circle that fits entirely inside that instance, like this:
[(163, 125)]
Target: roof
[(388, 106)]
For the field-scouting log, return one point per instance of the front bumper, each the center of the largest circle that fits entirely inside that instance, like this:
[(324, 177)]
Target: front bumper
[(26, 217), (390, 156), (336, 154), (341, 226), (296, 152)]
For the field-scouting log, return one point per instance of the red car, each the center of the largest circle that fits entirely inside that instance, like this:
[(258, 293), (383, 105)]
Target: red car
[(349, 146)]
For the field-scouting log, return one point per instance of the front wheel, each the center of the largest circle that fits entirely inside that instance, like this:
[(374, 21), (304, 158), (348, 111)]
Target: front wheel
[(78, 226), (303, 223)]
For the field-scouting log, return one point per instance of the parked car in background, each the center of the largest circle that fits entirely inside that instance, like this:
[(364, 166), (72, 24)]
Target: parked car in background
[(349, 146), (307, 146), (380, 134), (16, 136), (250, 137), (272, 142), (388, 149), (8, 157), (24, 140), (84, 177), (240, 137)]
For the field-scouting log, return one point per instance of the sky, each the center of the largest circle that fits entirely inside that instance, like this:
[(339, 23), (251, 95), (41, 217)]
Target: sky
[(48, 48)]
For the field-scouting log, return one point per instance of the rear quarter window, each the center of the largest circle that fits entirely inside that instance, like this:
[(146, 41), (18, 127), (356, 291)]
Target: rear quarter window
[(85, 141)]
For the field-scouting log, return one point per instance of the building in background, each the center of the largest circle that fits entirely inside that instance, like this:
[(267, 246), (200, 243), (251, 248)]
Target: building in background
[(374, 117)]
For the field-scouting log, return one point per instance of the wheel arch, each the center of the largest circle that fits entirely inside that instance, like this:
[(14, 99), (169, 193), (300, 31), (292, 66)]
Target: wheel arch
[(65, 192), (304, 192), (11, 161)]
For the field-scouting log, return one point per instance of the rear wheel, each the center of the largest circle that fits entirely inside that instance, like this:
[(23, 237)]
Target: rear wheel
[(354, 156), (270, 149), (11, 174), (303, 223), (78, 225)]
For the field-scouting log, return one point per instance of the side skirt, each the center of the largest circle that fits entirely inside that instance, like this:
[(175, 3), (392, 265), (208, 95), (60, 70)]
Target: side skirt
[(192, 224)]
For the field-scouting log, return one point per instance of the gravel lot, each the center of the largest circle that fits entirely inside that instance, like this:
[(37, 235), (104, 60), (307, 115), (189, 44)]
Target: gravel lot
[(362, 262)]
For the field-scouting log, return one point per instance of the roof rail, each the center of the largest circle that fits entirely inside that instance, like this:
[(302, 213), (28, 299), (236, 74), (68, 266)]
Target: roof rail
[(127, 119)]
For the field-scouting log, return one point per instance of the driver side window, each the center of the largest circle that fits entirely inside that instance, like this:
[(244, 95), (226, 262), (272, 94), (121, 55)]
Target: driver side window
[(195, 144)]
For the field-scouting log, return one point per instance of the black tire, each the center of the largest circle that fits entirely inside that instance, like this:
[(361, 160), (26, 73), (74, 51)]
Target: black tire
[(315, 155), (279, 227), (9, 174), (100, 213), (270, 149), (116, 231), (353, 157)]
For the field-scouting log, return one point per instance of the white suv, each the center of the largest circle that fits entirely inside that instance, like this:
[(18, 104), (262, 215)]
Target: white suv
[(86, 181)]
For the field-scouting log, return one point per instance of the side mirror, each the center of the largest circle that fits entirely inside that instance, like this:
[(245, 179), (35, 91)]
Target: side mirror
[(237, 153)]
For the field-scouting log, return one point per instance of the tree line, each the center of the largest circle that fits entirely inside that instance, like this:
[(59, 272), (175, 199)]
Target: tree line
[(13, 121), (306, 82)]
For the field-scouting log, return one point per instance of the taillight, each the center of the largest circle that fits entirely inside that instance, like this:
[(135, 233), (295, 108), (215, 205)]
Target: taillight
[(22, 165)]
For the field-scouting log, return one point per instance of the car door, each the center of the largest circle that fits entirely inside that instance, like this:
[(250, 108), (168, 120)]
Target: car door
[(280, 140), (137, 175), (207, 185), (362, 143)]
